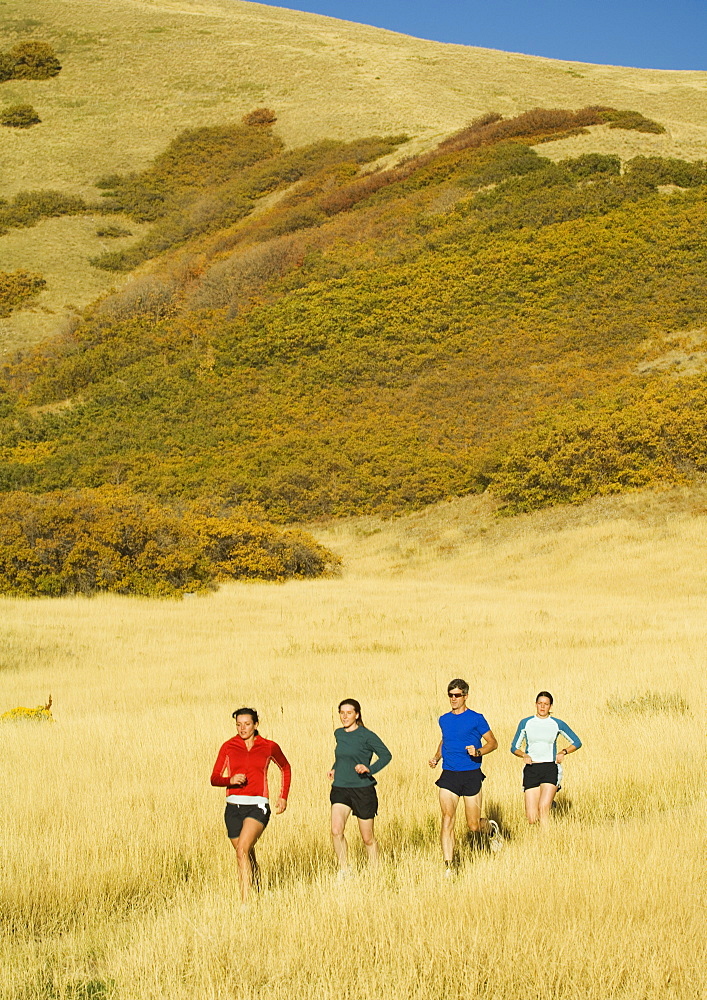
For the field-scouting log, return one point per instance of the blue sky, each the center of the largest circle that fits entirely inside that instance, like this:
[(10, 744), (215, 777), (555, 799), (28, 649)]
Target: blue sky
[(658, 34)]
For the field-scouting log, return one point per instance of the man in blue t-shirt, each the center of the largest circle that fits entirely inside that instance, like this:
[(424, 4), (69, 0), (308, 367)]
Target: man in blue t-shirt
[(466, 738)]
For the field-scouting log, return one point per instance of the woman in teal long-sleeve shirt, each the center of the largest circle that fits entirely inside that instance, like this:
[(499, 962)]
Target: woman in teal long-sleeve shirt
[(354, 787)]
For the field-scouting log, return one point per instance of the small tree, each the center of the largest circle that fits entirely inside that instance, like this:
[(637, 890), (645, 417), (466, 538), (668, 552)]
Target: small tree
[(19, 116), (33, 61)]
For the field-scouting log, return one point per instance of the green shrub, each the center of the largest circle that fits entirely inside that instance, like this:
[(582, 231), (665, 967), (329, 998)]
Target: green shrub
[(593, 164), (6, 67), (196, 159), (630, 120), (28, 207), (112, 232), (33, 61), (17, 288), (655, 170), (19, 116)]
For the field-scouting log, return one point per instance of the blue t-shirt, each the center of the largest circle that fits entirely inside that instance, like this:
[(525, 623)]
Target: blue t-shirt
[(460, 731)]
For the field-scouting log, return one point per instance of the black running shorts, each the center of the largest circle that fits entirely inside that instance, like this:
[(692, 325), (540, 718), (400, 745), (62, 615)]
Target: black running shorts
[(535, 775), (363, 802), (467, 783), (235, 815)]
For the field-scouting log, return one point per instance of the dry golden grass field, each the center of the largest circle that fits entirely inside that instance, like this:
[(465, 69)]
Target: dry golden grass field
[(137, 72), (117, 879)]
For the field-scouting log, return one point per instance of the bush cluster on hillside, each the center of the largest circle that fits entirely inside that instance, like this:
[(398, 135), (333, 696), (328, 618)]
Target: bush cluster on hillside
[(19, 116), (29, 61), (656, 433), (632, 120), (367, 340), (17, 288), (210, 179), (109, 539), (28, 207)]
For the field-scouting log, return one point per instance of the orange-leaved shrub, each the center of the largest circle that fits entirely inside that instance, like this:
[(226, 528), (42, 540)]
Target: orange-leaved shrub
[(17, 288), (260, 116), (81, 541), (654, 434)]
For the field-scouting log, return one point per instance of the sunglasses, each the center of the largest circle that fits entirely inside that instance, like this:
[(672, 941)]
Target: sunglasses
[(456, 694)]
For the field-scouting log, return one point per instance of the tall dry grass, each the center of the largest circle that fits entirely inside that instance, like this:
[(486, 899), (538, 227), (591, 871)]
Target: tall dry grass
[(116, 877)]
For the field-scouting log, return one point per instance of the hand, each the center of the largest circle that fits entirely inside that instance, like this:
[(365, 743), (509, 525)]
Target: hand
[(561, 756), (281, 806), (527, 759), (361, 769), (237, 779), (433, 761), (330, 775), (472, 751)]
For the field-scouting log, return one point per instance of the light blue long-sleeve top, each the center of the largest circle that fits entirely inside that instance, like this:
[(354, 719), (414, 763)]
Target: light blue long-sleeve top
[(540, 737)]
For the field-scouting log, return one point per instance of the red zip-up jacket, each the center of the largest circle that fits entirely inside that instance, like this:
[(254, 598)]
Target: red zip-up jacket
[(234, 757)]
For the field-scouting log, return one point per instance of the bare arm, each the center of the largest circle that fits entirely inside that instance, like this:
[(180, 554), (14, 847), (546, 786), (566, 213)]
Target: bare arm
[(489, 745), (435, 759)]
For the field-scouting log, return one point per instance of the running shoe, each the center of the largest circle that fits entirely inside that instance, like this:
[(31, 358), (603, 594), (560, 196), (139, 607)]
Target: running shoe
[(495, 836)]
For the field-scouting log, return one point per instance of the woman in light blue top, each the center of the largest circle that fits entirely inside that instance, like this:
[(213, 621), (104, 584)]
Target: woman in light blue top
[(542, 772)]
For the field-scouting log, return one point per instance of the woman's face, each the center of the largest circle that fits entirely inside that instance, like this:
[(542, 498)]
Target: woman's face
[(245, 726), (543, 706), (348, 715)]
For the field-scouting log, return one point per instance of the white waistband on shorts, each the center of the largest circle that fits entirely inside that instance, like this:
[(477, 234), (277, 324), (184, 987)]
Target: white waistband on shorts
[(248, 800)]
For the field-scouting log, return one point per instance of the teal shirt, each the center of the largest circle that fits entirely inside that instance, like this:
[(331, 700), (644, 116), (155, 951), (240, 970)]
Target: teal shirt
[(358, 747)]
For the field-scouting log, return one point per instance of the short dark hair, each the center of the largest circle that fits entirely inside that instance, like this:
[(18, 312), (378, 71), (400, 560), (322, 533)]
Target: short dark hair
[(544, 694), (246, 711), (458, 683), (355, 705)]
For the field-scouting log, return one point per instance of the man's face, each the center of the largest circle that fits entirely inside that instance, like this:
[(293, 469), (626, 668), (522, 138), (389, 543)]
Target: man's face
[(457, 699)]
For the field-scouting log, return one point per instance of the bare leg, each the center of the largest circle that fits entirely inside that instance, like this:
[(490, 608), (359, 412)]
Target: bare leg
[(532, 804), (448, 802), (244, 852), (547, 796), (254, 867), (369, 839), (472, 810), (339, 815)]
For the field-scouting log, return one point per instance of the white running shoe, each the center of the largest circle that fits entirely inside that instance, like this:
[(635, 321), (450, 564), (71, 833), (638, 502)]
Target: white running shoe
[(495, 836), (344, 874)]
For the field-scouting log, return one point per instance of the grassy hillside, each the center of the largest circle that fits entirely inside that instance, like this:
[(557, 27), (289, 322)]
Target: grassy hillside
[(325, 342), (603, 605), (136, 73)]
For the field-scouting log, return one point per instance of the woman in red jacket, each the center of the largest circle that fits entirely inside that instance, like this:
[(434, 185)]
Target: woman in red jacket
[(242, 768)]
